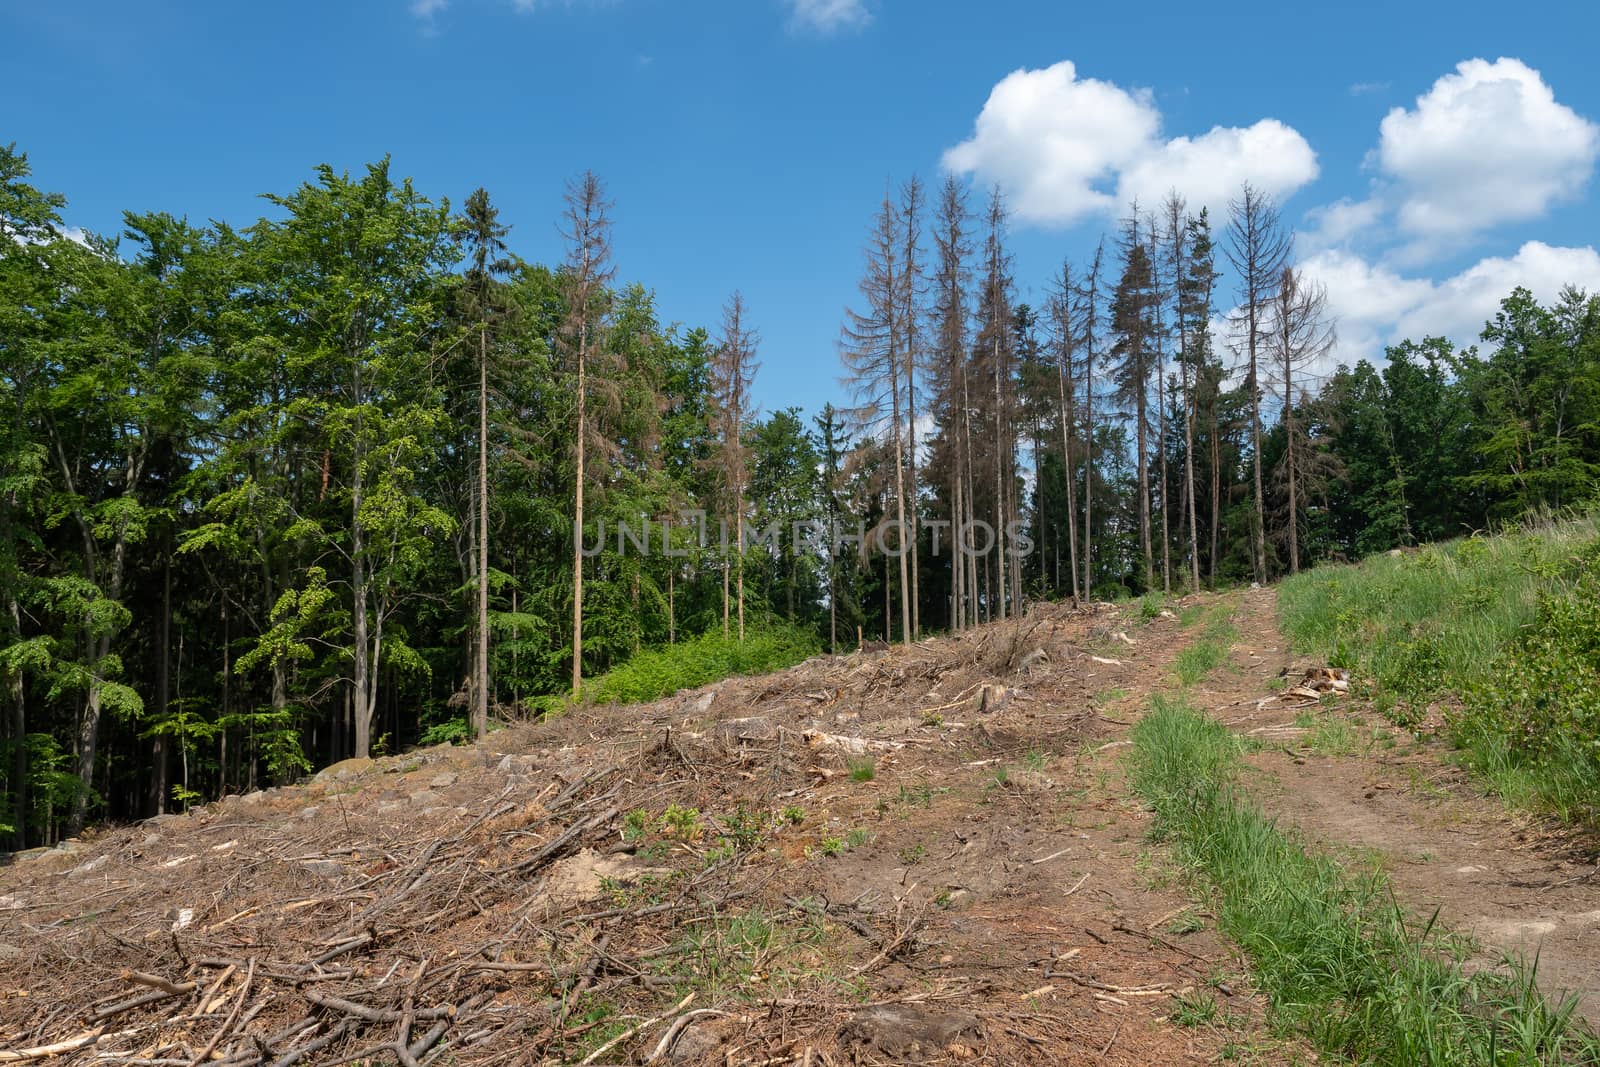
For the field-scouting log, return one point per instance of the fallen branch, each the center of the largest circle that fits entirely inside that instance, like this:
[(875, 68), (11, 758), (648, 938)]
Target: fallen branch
[(155, 981), (371, 1014), (640, 1028), (891, 948), (71, 1044), (679, 1025)]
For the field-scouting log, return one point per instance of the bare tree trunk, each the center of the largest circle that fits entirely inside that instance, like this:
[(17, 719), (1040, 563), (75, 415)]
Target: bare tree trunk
[(973, 597), (1188, 478), (1216, 496), (1065, 398), (911, 204), (1259, 534), (738, 524), (577, 520), (480, 695), (1161, 425), (999, 474), (1141, 429), (158, 755), (17, 700), (362, 708)]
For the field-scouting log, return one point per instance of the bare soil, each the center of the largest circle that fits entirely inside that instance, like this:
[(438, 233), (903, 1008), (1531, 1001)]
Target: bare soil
[(924, 855)]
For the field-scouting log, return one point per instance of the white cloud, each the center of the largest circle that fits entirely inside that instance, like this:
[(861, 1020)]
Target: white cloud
[(1337, 224), (1376, 306), (1485, 145), (828, 16), (426, 9), (1208, 170), (1067, 148)]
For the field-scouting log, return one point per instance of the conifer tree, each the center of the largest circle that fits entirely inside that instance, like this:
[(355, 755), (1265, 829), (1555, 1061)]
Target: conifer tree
[(587, 230), (1258, 250), (733, 368), (486, 250), (1132, 321), (872, 346)]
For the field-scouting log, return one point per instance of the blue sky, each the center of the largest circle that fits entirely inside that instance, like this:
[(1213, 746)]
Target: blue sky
[(747, 142)]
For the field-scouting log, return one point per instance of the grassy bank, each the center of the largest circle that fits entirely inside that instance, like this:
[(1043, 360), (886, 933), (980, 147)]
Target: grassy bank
[(1502, 633), (1339, 959), (654, 673)]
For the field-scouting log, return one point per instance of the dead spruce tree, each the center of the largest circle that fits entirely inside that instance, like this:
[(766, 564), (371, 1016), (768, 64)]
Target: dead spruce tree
[(872, 343), (1158, 340), (1066, 390), (994, 353), (1133, 324), (1258, 250), (1088, 317), (1301, 335), (733, 370), (911, 283), (588, 270), (952, 276), (1183, 308)]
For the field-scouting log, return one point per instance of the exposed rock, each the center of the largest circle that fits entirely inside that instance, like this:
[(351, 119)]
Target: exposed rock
[(343, 770), (89, 866), (1034, 658), (695, 1044), (1030, 781), (30, 854), (515, 764), (442, 780), (579, 877), (703, 702)]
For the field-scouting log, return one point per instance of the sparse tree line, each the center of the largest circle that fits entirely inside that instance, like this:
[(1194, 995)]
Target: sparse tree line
[(277, 495)]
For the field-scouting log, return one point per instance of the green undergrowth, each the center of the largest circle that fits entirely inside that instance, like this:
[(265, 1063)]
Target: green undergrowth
[(659, 672), (1341, 961), (1501, 632)]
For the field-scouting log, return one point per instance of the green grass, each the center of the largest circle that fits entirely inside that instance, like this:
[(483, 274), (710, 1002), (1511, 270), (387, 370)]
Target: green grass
[(658, 672), (1209, 650), (1503, 632), (1340, 960), (862, 768)]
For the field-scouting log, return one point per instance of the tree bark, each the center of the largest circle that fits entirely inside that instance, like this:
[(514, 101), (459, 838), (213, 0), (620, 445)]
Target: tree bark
[(480, 695)]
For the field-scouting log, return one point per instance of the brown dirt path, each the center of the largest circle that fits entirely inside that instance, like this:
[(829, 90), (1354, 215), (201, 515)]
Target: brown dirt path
[(1345, 775)]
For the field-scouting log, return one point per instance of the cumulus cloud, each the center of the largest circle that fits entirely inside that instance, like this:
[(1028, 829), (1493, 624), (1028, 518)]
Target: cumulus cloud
[(828, 16), (1376, 306), (1209, 169), (1485, 145), (1335, 225), (1067, 148)]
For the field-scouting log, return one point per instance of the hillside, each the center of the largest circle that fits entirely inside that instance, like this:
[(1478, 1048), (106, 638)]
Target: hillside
[(924, 855)]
